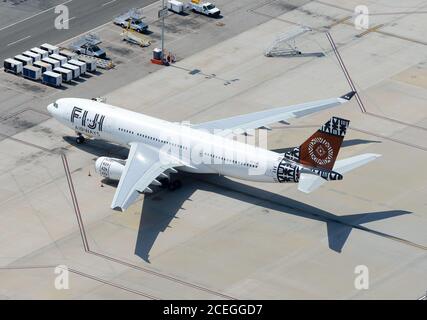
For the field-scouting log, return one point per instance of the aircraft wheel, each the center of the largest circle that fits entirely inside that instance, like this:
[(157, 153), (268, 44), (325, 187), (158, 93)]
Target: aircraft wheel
[(165, 183), (174, 185), (178, 184), (80, 139)]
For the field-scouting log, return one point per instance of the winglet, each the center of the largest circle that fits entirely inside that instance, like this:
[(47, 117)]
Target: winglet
[(348, 96)]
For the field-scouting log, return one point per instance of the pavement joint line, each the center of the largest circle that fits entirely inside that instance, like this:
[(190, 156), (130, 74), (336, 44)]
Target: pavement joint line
[(393, 35), (27, 143), (367, 31), (11, 115), (391, 139), (34, 15), (82, 274), (75, 202), (345, 71), (396, 121)]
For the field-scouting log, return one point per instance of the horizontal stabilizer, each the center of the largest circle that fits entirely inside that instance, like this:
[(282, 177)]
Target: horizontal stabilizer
[(310, 182)]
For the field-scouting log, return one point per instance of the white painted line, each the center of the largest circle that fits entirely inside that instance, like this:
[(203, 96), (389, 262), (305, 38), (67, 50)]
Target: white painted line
[(34, 15), (12, 43), (69, 19), (109, 2)]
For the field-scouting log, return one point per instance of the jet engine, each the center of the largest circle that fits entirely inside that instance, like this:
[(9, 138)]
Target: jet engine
[(110, 168)]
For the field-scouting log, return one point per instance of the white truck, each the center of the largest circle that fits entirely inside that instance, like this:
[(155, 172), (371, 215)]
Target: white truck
[(88, 45), (205, 8), (131, 19)]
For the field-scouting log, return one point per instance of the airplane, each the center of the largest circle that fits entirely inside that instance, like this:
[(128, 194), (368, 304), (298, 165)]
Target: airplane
[(159, 148)]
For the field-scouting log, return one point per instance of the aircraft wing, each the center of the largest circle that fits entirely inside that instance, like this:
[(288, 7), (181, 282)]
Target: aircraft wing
[(262, 119), (142, 168)]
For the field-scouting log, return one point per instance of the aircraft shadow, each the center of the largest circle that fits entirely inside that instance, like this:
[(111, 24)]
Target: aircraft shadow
[(155, 220)]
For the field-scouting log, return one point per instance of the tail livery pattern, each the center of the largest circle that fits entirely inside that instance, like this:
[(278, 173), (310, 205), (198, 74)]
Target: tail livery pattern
[(321, 149)]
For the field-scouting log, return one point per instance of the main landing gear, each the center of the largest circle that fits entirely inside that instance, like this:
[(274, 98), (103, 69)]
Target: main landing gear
[(80, 139), (171, 185)]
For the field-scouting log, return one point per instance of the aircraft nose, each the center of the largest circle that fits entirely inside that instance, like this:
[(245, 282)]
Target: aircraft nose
[(50, 108), (53, 109)]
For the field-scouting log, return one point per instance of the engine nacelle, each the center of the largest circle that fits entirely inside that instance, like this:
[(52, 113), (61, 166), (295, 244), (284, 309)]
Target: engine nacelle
[(110, 168)]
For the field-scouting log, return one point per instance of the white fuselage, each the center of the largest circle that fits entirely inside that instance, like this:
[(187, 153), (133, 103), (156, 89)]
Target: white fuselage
[(200, 151)]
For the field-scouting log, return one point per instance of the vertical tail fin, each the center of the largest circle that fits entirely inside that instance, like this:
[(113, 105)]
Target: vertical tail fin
[(321, 149)]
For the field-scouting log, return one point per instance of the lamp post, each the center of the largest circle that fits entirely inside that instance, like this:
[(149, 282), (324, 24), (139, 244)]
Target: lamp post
[(163, 27)]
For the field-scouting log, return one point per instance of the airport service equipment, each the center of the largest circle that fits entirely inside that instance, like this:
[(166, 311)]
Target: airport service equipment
[(32, 55), (67, 75), (90, 63), (134, 37), (73, 68), (79, 64), (54, 63), (41, 52), (14, 66), (60, 58), (284, 44), (52, 78), (157, 53), (131, 19), (49, 48), (68, 54), (175, 6), (43, 65), (89, 45), (25, 60), (205, 8), (31, 72)]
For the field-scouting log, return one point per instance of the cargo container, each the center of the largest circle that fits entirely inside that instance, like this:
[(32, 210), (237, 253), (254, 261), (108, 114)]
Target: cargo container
[(43, 65), (68, 54), (14, 66), (90, 63), (73, 68), (49, 48), (31, 72), (32, 55), (52, 78), (41, 52), (54, 63), (58, 57), (79, 64), (67, 75), (25, 60), (175, 6)]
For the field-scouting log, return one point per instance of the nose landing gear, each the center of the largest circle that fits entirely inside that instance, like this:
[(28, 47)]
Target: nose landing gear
[(80, 139)]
